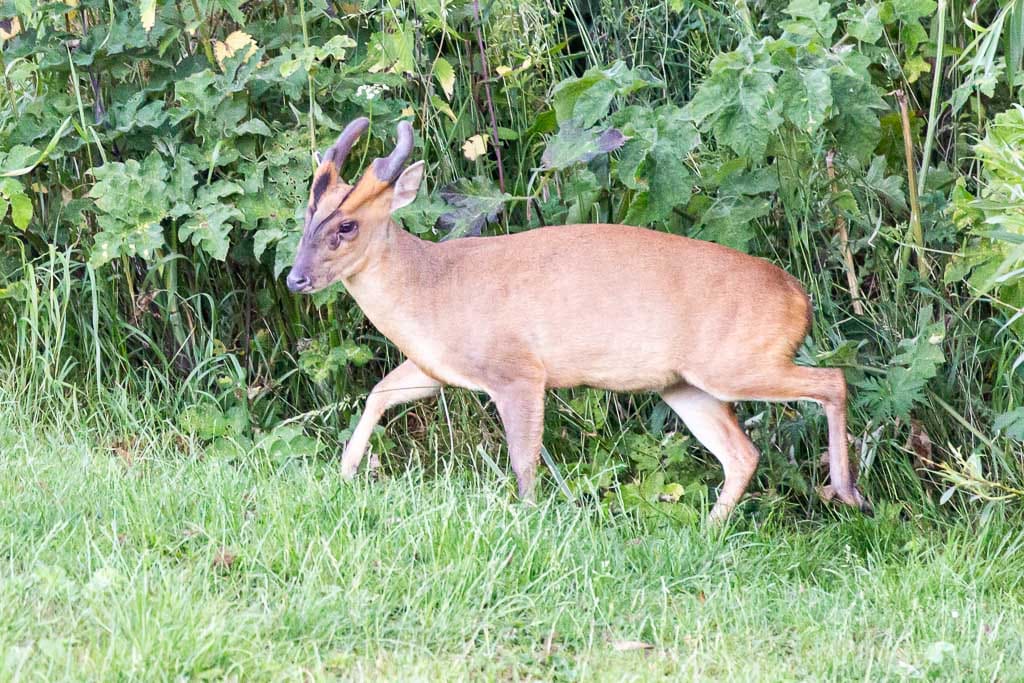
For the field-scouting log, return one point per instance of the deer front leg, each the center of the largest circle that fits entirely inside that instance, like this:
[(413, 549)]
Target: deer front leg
[(521, 407), (403, 384)]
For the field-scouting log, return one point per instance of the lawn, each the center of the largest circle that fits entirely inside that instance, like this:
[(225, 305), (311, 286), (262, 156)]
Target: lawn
[(130, 559)]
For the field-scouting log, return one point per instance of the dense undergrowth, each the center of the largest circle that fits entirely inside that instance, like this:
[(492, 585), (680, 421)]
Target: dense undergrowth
[(155, 161)]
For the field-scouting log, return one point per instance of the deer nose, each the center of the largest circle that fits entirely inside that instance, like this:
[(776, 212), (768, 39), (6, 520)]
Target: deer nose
[(297, 282)]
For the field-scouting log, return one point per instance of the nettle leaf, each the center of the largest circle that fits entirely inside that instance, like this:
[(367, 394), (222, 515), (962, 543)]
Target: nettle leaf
[(587, 98), (575, 145), (284, 252), (806, 95), (812, 21), (209, 224), (422, 215), (904, 383), (472, 205), (653, 161), (889, 188), (131, 200), (728, 220), (864, 22), (854, 122), (737, 102)]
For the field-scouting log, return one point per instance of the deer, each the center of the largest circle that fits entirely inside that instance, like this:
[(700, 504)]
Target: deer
[(607, 306)]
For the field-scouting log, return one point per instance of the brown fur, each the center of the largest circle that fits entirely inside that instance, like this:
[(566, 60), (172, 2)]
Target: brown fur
[(607, 306)]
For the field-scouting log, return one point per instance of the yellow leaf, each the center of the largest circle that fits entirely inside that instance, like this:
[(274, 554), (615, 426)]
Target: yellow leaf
[(147, 10), (445, 76), (232, 44), (474, 147), (502, 70), (408, 111)]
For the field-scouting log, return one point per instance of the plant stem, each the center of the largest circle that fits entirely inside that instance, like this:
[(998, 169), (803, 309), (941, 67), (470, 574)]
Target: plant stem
[(204, 35), (844, 240), (933, 107), (309, 83), (916, 231), (487, 92)]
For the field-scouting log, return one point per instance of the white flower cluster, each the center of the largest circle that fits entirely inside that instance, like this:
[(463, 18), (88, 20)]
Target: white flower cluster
[(371, 91)]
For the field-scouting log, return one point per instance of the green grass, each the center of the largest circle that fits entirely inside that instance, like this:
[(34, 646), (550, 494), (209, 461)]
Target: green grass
[(114, 570)]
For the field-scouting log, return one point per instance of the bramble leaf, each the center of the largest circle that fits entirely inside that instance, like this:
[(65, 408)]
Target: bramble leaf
[(473, 204), (574, 145)]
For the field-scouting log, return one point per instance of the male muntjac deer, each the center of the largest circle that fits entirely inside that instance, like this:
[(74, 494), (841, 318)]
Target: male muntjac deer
[(607, 306)]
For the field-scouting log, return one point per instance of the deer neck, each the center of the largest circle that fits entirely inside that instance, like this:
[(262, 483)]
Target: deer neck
[(393, 284)]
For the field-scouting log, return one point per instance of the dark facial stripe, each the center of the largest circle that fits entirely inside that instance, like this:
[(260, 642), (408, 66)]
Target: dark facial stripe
[(319, 187), (327, 219)]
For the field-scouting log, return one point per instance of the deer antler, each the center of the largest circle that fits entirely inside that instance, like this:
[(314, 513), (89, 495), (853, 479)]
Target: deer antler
[(340, 149), (387, 169)]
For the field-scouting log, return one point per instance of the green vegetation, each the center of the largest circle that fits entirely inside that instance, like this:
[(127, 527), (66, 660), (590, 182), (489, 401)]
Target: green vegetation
[(155, 560), (170, 416)]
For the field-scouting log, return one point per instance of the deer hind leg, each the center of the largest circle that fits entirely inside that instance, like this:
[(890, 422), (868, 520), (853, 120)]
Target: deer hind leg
[(826, 386), (714, 424), (403, 384), (521, 407)]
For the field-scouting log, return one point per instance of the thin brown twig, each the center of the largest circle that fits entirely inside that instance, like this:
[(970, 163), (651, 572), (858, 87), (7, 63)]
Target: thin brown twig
[(844, 239)]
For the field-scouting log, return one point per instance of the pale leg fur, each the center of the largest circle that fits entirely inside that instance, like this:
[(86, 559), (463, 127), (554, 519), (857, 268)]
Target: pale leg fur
[(826, 386), (403, 384), (714, 424), (521, 407)]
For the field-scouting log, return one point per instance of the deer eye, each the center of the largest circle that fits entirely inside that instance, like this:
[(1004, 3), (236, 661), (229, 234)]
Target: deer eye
[(347, 227)]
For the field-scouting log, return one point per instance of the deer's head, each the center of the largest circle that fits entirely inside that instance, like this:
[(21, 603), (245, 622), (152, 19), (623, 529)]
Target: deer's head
[(345, 223)]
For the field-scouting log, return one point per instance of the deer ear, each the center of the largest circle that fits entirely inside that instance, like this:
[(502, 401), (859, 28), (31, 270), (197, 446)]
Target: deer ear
[(407, 185)]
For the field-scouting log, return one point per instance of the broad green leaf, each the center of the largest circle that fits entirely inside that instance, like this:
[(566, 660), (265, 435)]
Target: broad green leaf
[(1011, 424), (21, 210), (864, 22), (890, 188), (914, 67), (472, 205), (573, 145), (393, 51), (255, 127), (812, 21), (208, 228), (137, 240), (587, 98), (855, 122), (738, 101), (131, 200), (655, 160), (727, 220), (912, 10), (806, 97), (320, 359), (284, 252), (337, 48), (264, 239)]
